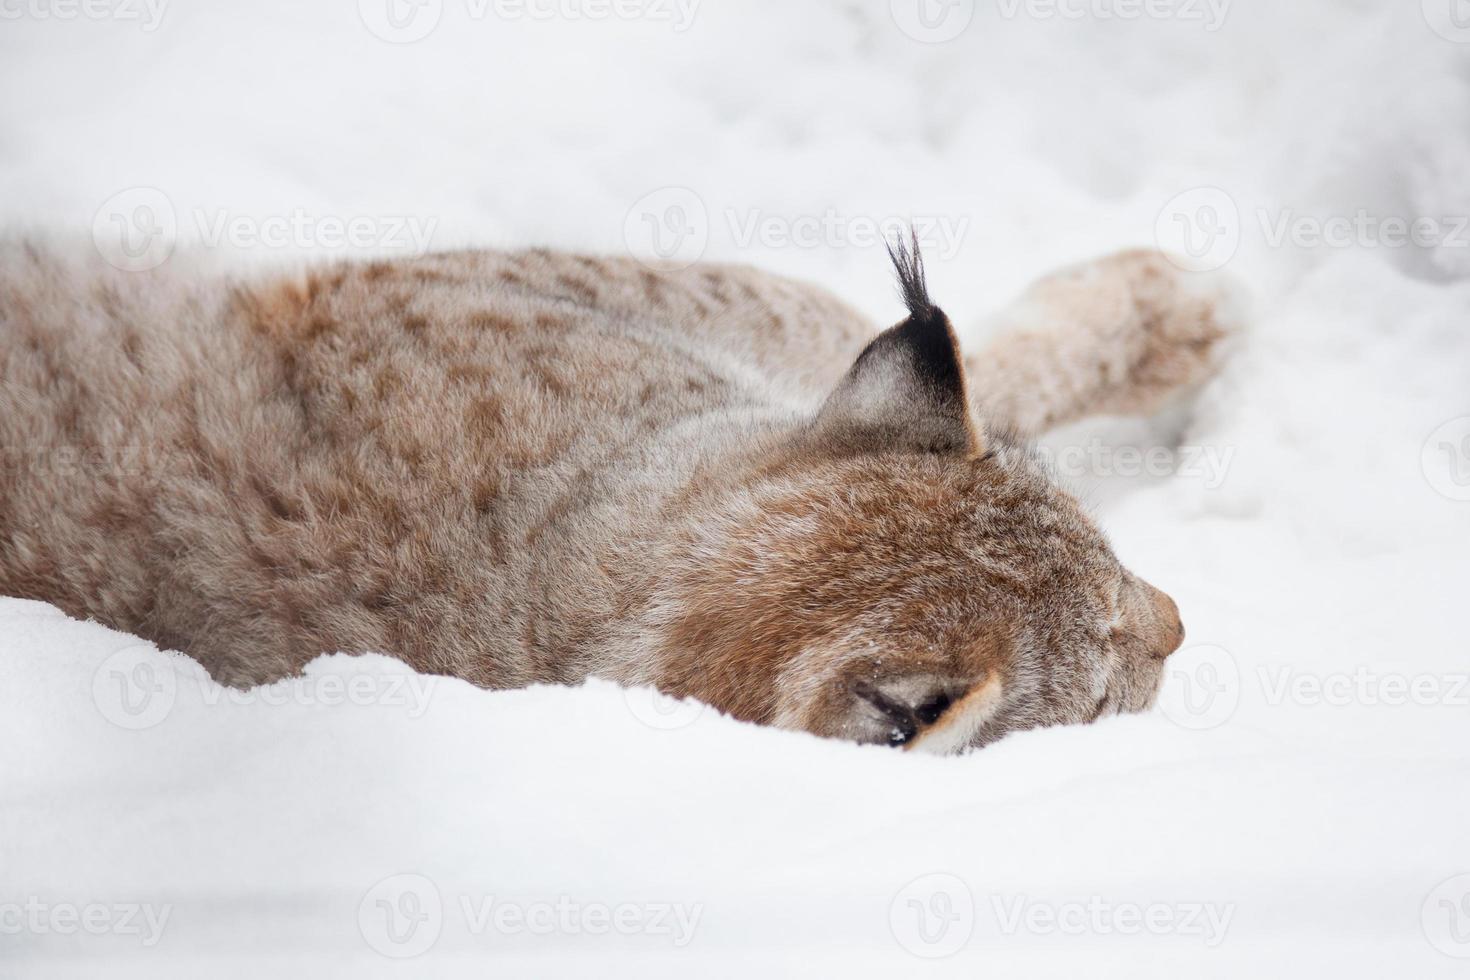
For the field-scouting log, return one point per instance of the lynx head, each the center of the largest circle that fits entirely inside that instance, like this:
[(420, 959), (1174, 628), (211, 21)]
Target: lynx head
[(896, 574)]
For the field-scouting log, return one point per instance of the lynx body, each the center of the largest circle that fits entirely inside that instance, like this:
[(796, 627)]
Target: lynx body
[(538, 467)]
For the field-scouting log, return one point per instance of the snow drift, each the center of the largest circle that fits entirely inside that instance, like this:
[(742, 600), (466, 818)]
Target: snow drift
[(1297, 803)]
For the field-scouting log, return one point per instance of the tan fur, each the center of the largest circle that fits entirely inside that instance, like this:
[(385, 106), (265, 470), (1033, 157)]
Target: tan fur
[(537, 467), (958, 727), (1118, 336)]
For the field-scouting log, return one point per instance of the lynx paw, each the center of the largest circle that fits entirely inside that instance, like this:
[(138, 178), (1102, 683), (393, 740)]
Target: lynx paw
[(1123, 335), (1173, 329)]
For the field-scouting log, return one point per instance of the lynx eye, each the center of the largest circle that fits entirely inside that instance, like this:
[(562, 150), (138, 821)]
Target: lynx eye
[(930, 711), (905, 721), (902, 719)]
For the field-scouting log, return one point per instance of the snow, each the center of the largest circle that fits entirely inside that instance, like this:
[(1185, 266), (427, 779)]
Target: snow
[(1299, 801)]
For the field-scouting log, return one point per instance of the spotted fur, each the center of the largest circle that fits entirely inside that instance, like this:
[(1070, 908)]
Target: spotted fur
[(538, 467)]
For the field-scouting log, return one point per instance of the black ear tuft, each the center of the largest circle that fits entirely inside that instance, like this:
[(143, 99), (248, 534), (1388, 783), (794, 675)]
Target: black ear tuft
[(906, 391), (926, 333), (908, 261)]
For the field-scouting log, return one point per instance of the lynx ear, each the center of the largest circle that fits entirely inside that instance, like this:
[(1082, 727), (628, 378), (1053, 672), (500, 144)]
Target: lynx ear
[(906, 391)]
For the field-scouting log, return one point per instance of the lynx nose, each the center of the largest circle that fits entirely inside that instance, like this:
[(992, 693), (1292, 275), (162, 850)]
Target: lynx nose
[(1178, 638), (1171, 626), (1155, 618)]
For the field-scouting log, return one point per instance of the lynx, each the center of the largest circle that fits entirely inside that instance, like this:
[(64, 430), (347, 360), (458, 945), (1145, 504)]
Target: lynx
[(536, 467)]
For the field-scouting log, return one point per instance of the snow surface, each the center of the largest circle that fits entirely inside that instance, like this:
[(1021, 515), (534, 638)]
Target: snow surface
[(1298, 805)]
